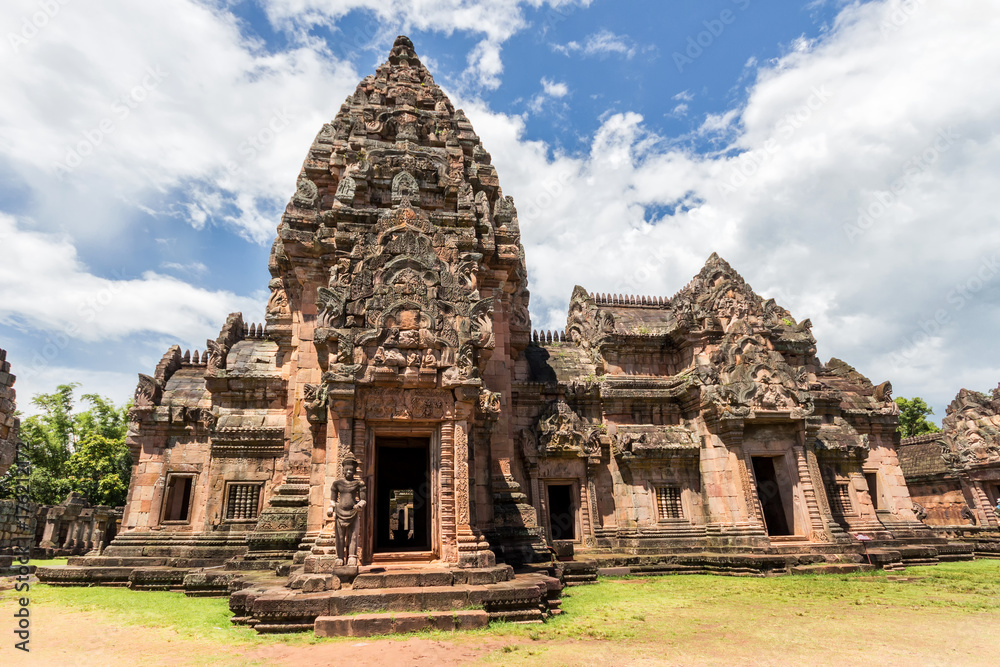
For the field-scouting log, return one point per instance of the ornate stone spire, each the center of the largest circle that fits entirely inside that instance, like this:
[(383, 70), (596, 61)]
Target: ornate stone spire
[(398, 236)]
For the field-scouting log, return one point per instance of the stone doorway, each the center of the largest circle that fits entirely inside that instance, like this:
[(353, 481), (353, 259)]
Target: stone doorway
[(771, 498), (562, 518), (874, 492), (402, 495)]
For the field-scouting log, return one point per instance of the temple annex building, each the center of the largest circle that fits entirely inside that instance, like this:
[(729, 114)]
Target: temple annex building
[(484, 465)]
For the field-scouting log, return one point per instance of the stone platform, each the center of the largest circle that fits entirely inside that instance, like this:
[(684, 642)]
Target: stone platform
[(438, 595), (367, 625)]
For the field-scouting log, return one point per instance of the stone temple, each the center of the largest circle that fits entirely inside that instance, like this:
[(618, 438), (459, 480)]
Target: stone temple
[(954, 475), (693, 433)]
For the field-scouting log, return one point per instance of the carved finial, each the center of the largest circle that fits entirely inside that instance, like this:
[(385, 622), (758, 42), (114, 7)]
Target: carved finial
[(186, 359)]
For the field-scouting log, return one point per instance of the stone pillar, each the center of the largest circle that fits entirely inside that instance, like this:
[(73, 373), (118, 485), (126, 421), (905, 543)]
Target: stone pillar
[(590, 537), (448, 502), (755, 513), (97, 535), (86, 528), (70, 540), (983, 510), (833, 528), (52, 521), (817, 530)]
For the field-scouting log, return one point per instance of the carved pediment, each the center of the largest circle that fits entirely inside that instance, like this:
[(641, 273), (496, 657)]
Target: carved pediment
[(560, 431)]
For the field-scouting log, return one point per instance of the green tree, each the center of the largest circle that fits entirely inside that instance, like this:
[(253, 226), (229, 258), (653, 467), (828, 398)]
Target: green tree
[(100, 469), (69, 451), (913, 417)]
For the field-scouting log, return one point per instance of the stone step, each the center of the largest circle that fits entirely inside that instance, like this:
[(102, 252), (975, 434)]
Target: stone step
[(141, 561), (431, 577), (249, 565), (578, 573), (831, 568), (157, 579), (367, 625), (526, 599), (84, 576), (209, 583)]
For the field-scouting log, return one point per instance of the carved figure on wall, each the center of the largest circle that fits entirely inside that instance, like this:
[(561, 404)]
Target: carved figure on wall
[(968, 514), (147, 393), (216, 357), (348, 496), (489, 403), (330, 304), (277, 303), (315, 402)]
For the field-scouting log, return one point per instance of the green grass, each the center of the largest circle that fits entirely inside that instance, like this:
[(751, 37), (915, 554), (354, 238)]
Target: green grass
[(625, 608), (43, 562), (623, 611), (204, 619)]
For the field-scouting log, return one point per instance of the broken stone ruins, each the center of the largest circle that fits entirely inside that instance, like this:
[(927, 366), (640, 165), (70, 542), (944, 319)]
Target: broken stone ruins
[(494, 464)]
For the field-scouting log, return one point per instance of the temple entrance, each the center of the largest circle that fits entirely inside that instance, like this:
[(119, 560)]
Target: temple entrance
[(775, 518), (871, 479), (562, 519), (402, 495)]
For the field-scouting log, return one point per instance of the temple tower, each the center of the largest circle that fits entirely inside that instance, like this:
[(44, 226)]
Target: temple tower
[(397, 294)]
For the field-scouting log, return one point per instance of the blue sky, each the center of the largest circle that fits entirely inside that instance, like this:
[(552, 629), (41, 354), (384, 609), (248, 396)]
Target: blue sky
[(840, 155)]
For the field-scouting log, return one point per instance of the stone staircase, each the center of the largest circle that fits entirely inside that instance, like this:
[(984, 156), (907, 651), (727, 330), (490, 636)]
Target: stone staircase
[(379, 599)]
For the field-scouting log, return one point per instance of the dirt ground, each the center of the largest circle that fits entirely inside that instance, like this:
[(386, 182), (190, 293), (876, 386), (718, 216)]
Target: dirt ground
[(858, 637)]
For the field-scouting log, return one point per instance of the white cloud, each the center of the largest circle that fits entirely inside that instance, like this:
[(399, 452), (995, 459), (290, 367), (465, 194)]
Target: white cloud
[(875, 115), (191, 268), (551, 90), (161, 102), (495, 20), (601, 44), (485, 65), (554, 89), (44, 286)]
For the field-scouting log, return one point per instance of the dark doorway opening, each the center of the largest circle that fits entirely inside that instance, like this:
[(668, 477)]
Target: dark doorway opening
[(562, 519), (872, 480), (775, 520), (178, 498), (402, 494)]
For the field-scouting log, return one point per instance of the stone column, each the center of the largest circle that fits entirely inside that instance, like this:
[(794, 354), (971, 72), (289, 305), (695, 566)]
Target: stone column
[(984, 509), (70, 541), (97, 537), (51, 530), (816, 528), (448, 489), (833, 528), (590, 537), (86, 534)]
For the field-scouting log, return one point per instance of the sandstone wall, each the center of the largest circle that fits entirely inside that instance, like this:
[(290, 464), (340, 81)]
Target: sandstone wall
[(17, 526), (8, 423)]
